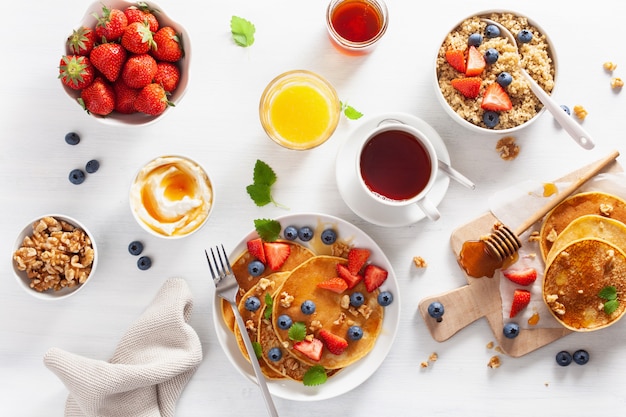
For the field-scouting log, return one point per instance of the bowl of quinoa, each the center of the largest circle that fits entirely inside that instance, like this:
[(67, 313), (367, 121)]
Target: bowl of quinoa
[(492, 96)]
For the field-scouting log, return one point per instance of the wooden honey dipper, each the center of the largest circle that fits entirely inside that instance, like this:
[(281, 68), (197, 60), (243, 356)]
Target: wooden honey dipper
[(504, 242)]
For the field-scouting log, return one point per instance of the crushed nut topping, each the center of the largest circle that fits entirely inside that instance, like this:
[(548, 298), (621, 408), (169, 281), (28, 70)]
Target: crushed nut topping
[(345, 301), (507, 148), (609, 66), (494, 362), (315, 325), (365, 310), (419, 262), (616, 83), (580, 112), (606, 209), (286, 299), (340, 319), (552, 235)]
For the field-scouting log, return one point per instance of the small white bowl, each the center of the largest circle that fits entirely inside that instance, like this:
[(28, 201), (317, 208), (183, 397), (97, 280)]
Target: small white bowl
[(137, 119), (24, 281), (468, 124)]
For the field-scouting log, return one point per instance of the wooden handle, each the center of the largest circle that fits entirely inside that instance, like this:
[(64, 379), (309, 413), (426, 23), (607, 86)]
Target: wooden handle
[(587, 173)]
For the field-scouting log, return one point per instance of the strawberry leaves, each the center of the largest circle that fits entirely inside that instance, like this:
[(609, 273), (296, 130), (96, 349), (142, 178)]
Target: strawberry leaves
[(242, 31), (260, 190), (609, 293)]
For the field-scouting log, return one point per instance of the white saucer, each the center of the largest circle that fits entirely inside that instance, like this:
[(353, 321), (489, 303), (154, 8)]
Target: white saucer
[(356, 198)]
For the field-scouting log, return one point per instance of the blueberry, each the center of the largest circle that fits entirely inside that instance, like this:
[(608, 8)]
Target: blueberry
[(290, 233), (135, 247), (491, 56), (581, 357), (436, 310), (144, 263), (563, 358), (504, 79), (256, 268), (284, 322), (274, 354), (356, 299), (566, 109), (492, 31), (77, 176), (252, 303), (308, 307), (72, 138), (355, 333), (491, 118), (329, 236), (475, 39), (305, 233), (511, 330), (92, 166), (524, 36), (385, 298)]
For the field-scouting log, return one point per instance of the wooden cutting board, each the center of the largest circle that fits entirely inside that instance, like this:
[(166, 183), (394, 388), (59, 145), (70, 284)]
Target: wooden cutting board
[(481, 296)]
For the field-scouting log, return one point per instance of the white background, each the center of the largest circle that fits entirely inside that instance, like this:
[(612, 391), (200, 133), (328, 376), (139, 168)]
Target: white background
[(217, 123)]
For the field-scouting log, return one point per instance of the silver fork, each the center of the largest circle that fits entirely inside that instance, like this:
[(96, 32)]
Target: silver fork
[(226, 287)]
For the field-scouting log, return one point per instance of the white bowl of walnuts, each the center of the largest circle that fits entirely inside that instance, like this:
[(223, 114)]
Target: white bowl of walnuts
[(54, 257)]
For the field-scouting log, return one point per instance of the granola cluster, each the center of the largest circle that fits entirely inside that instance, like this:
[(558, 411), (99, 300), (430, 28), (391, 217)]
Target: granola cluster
[(55, 256)]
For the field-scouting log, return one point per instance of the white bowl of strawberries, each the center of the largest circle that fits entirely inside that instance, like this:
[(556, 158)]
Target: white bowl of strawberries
[(477, 76), (126, 63)]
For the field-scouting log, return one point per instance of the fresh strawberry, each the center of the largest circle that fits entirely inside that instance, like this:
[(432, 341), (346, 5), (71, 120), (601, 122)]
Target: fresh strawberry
[(456, 58), (108, 58), (124, 97), (356, 259), (351, 279), (98, 97), (521, 298), (81, 41), (335, 344), (469, 87), (141, 12), (335, 284), (139, 70), (475, 62), (311, 349), (137, 38), (276, 253), (524, 277), (111, 24), (152, 100), (168, 45), (374, 276), (255, 247), (168, 75), (496, 99), (76, 71)]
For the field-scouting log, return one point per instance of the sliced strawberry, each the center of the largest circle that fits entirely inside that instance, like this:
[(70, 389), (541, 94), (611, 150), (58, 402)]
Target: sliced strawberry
[(335, 344), (374, 276), (255, 248), (469, 87), (475, 62), (496, 99), (522, 277), (356, 259), (351, 279), (276, 253), (456, 59), (335, 284), (311, 349), (521, 298)]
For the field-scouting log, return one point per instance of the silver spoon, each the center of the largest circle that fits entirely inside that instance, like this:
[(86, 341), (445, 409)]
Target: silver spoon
[(456, 175), (574, 129)]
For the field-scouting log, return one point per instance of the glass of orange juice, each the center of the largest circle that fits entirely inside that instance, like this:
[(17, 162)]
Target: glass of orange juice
[(299, 110)]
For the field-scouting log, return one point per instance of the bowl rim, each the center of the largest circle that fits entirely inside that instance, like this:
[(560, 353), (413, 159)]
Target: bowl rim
[(23, 280), (471, 126)]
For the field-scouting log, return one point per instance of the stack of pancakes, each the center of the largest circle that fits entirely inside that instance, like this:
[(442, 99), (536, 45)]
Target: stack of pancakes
[(295, 282), (583, 245)]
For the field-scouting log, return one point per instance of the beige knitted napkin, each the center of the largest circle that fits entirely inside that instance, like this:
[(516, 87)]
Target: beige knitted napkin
[(153, 362)]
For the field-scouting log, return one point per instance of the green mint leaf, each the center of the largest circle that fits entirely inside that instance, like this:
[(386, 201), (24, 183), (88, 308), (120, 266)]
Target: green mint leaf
[(350, 112), (608, 293), (268, 230), (260, 194), (263, 174), (316, 375), (258, 350), (269, 304), (242, 31), (610, 306), (297, 331)]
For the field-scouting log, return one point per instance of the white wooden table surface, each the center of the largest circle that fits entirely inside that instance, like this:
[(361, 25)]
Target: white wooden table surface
[(217, 123)]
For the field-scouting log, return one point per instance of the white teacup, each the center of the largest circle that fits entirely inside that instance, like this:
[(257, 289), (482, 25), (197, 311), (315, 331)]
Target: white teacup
[(397, 166)]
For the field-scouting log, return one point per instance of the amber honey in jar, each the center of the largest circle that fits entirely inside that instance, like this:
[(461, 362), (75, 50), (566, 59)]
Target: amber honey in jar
[(356, 25)]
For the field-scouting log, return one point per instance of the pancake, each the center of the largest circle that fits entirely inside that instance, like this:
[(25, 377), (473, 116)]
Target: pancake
[(329, 315), (573, 280), (590, 226), (578, 205)]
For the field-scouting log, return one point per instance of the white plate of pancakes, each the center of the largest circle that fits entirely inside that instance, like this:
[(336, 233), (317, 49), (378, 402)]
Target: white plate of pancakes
[(351, 376)]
